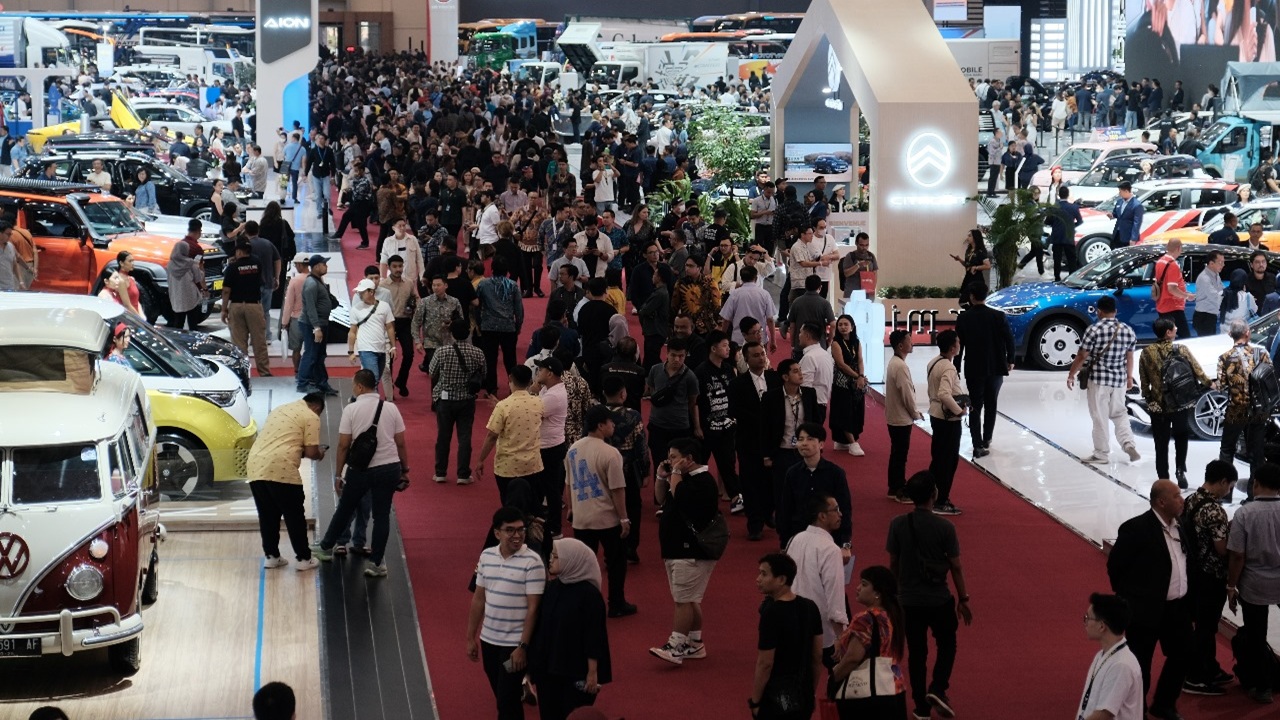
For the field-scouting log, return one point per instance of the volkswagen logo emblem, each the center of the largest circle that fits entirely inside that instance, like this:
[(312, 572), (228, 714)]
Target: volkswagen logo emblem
[(928, 159), (14, 556)]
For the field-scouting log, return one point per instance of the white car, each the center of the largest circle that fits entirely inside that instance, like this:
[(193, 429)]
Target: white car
[(1082, 157), (1167, 205), (177, 117)]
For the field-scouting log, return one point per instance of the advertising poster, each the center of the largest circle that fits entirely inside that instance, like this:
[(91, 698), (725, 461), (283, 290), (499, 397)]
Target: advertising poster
[(806, 161)]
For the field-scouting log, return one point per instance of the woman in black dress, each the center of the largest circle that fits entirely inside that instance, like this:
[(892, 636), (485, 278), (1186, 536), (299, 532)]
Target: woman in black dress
[(569, 655), (848, 389), (976, 262)]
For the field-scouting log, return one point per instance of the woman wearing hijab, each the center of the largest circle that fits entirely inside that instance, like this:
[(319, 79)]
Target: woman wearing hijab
[(1237, 302), (569, 655)]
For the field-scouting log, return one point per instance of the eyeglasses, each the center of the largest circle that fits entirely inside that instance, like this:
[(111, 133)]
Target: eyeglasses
[(513, 531), (1089, 618)]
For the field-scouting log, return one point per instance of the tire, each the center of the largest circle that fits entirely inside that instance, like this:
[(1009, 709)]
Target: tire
[(184, 465), (1054, 343), (126, 657), (1092, 248), (154, 304), (1208, 415), (203, 213), (151, 585)]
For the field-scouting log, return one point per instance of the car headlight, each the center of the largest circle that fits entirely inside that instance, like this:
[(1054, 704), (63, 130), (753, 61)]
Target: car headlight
[(1017, 309), (84, 583), (222, 399)]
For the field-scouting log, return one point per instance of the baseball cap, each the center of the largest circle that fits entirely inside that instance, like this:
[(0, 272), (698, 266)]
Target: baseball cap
[(316, 260), (365, 284), (301, 258), (552, 364)]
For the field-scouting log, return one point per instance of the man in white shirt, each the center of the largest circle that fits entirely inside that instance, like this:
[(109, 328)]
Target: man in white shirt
[(486, 227), (824, 247), (372, 337), (756, 257), (570, 257), (404, 244), (817, 365), (99, 176), (820, 574), (749, 301), (551, 441), (1113, 690)]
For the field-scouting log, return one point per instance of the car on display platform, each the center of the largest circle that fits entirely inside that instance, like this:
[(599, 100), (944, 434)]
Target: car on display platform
[(1167, 205), (139, 141), (80, 230), (1209, 413), (1099, 184), (1077, 160), (200, 403), (1265, 211), (79, 526), (1048, 319), (177, 117)]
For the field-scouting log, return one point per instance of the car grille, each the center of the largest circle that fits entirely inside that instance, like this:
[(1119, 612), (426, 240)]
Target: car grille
[(215, 264)]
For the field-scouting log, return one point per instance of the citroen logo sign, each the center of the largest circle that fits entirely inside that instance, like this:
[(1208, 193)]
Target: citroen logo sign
[(928, 159), (14, 556)]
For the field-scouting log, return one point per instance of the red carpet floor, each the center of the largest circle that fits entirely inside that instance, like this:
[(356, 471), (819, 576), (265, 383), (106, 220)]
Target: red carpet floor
[(1024, 657)]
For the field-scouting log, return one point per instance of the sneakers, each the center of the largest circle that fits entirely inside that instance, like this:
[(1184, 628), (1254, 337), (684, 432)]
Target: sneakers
[(946, 508), (274, 562), (842, 447), (940, 703), (1193, 687), (1222, 678), (376, 571), (735, 507), (919, 714), (901, 496), (465, 481), (339, 550), (673, 654), (1262, 696), (310, 563), (320, 553), (855, 449), (695, 652), (980, 452), (1133, 453), (440, 479), (1096, 459)]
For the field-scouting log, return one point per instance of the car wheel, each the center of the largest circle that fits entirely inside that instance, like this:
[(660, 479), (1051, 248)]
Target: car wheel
[(151, 585), (154, 304), (1092, 248), (184, 464), (204, 214), (1055, 343), (126, 657), (1209, 415)]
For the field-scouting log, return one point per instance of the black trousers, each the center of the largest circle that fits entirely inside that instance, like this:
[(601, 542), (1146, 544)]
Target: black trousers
[(491, 341), (1204, 324), (660, 440), (757, 488), (404, 336), (276, 500), (941, 621), (451, 414), (531, 273), (615, 559), (1173, 633), (550, 487), (1207, 596), (764, 237), (1175, 425), (558, 696), (1255, 434), (993, 176), (944, 454), (720, 445), (356, 216), (984, 397), (783, 460), (506, 686), (1035, 253), (384, 231), (635, 505), (899, 446), (653, 350), (1065, 260), (1255, 621), (1179, 318)]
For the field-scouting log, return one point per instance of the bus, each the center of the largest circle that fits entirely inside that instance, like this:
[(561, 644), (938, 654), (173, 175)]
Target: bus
[(242, 40), (772, 22)]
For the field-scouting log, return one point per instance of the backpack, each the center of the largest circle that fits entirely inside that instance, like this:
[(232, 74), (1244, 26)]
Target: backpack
[(1257, 179), (1264, 386), (1181, 386)]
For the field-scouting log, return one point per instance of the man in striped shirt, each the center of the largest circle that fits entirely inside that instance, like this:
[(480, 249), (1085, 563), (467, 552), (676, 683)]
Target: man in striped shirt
[(509, 582)]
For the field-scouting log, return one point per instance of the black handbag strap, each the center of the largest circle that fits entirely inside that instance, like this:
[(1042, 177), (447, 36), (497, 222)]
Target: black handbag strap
[(874, 650), (461, 360)]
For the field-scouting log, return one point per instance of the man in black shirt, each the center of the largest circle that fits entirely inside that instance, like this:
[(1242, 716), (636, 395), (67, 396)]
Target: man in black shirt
[(986, 356), (593, 326), (242, 305), (459, 286), (813, 474), (790, 644), (320, 163), (718, 426), (1260, 282), (626, 368), (1228, 234)]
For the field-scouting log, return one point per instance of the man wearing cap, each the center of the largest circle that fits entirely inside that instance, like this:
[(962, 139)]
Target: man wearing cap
[(317, 303), (372, 337), (551, 441), (291, 308), (242, 305), (756, 257)]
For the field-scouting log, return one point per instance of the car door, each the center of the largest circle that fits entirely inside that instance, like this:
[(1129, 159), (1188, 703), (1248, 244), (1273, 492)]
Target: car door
[(1134, 305), (66, 265)]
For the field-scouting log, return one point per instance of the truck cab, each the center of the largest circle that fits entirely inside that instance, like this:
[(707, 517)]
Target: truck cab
[(78, 523), (493, 50), (1232, 146)]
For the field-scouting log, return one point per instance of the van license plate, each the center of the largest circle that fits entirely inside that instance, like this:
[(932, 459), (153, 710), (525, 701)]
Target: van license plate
[(20, 647)]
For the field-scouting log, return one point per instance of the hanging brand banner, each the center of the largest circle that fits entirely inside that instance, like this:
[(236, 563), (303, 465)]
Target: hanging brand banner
[(287, 27)]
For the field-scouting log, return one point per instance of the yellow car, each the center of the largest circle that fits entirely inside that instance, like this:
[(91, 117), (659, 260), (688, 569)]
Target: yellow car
[(1263, 211)]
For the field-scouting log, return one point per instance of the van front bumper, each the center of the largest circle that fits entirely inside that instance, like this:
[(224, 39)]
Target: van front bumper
[(67, 640)]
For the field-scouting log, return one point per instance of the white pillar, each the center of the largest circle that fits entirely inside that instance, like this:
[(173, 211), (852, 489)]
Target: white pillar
[(442, 24), (288, 49)]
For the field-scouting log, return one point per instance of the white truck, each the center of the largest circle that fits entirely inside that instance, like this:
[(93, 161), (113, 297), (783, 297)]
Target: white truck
[(980, 58), (26, 42), (670, 65), (221, 64)]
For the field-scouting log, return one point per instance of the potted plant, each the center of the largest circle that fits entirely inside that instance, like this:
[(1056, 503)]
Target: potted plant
[(1019, 220)]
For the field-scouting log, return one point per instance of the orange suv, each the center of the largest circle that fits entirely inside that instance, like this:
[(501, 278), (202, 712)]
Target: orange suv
[(79, 230)]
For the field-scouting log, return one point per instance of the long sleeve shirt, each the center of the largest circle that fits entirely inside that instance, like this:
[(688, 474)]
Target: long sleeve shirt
[(431, 318), (801, 483), (316, 303), (820, 577), (944, 385), (1208, 292), (899, 393), (292, 306)]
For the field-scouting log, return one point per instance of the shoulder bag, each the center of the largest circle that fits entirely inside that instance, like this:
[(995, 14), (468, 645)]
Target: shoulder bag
[(961, 399), (663, 396), (365, 445), (1087, 366), (872, 678), (714, 538), (474, 383)]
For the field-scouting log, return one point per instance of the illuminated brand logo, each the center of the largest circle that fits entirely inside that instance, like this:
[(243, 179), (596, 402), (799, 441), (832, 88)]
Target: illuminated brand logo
[(928, 159), (14, 556), (295, 22)]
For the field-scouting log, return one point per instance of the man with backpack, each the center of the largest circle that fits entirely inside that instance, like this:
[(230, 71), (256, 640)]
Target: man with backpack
[(1263, 178), (1248, 378), (1170, 289), (1171, 381)]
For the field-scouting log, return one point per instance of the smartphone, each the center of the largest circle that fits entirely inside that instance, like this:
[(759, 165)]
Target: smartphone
[(508, 666)]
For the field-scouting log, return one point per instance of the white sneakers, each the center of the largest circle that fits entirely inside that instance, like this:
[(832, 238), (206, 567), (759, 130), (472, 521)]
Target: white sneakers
[(440, 479), (855, 449), (272, 563), (310, 563)]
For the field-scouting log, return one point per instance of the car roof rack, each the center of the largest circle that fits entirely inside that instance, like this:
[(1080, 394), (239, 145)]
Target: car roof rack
[(47, 187)]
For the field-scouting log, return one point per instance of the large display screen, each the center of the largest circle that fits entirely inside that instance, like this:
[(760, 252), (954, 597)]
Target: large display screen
[(951, 10), (806, 161), (1193, 40)]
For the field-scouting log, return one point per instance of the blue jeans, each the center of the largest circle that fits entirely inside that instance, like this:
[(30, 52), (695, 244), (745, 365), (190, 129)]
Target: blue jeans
[(320, 191), (374, 362), (379, 482), (355, 532), (1130, 120), (293, 186), (267, 292), (311, 370)]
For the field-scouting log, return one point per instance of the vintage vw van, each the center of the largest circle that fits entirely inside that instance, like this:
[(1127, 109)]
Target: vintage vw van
[(78, 529)]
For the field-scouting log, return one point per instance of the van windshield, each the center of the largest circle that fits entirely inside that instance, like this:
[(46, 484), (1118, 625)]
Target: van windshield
[(55, 474)]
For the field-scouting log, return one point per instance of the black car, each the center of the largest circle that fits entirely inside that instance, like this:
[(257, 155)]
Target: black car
[(213, 348), (102, 141), (176, 193)]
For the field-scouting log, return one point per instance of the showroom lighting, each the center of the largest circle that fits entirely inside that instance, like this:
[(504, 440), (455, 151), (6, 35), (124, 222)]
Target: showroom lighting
[(826, 91)]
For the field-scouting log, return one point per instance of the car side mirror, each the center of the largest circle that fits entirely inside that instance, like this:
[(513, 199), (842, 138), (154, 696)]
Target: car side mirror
[(1122, 284), (85, 239)]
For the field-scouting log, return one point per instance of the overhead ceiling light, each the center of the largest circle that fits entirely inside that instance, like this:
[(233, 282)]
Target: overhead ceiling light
[(826, 91)]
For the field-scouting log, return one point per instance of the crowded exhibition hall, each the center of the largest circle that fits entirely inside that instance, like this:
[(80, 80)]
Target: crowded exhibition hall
[(473, 359)]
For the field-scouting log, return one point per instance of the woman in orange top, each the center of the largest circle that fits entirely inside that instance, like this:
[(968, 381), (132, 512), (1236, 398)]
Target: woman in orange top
[(878, 592)]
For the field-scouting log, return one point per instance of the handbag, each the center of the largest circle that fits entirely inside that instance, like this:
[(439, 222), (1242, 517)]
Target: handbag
[(663, 396), (960, 399), (871, 677), (867, 279), (714, 538), (365, 445), (1087, 366)]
